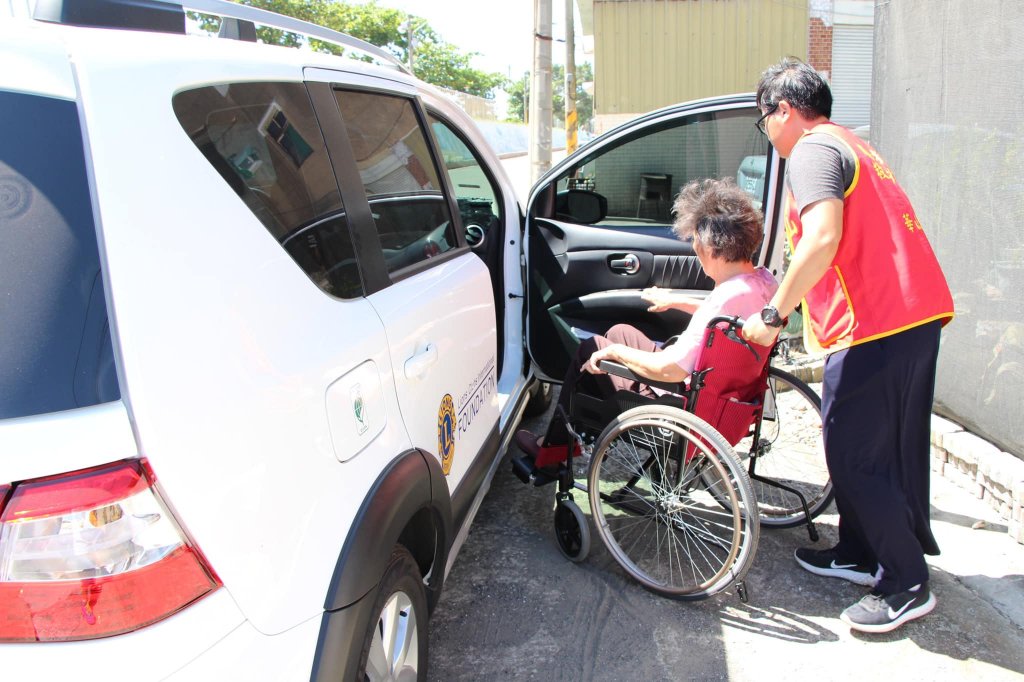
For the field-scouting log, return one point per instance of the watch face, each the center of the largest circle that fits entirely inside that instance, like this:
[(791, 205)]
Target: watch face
[(770, 316)]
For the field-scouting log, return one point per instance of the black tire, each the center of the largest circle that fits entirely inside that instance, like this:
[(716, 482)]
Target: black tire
[(390, 650), (572, 532), (652, 508), (540, 399), (790, 450)]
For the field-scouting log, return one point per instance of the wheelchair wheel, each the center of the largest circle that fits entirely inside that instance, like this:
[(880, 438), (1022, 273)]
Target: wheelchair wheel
[(649, 496), (572, 533), (789, 450)]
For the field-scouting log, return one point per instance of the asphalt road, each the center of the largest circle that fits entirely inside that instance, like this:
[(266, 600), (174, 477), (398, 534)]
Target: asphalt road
[(514, 609)]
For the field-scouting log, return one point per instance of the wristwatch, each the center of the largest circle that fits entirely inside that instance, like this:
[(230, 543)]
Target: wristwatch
[(770, 316)]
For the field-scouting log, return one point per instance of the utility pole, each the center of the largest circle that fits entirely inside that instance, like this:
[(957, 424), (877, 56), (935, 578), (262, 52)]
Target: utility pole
[(410, 39), (540, 92), (570, 80)]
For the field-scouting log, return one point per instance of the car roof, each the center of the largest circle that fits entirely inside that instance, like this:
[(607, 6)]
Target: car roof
[(101, 25)]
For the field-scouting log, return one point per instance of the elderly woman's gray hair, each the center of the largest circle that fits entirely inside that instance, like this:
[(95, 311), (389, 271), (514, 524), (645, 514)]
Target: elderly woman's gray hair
[(719, 216)]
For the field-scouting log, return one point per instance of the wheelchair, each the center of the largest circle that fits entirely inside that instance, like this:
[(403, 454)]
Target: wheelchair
[(669, 496)]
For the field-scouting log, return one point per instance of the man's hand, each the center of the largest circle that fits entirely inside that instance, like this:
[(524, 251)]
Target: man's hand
[(756, 331)]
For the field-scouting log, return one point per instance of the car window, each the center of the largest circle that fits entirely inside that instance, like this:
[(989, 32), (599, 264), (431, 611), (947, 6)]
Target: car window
[(641, 175), (476, 193), (264, 140), (55, 346), (402, 183)]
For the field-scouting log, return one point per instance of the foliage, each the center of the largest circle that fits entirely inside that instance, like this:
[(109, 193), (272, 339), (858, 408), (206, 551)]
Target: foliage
[(434, 60), (517, 93)]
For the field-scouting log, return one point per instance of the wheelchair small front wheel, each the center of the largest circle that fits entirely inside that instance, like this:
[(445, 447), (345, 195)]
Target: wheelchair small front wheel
[(572, 532)]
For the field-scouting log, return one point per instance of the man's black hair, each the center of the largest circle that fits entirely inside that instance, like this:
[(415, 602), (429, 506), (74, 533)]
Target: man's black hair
[(796, 82)]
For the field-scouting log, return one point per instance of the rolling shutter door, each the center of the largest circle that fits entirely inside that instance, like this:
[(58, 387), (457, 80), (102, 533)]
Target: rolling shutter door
[(852, 51)]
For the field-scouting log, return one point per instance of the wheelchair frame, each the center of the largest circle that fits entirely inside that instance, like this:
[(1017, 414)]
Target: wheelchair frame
[(731, 487)]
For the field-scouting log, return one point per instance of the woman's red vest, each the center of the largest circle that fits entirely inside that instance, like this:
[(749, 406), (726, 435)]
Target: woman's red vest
[(884, 277)]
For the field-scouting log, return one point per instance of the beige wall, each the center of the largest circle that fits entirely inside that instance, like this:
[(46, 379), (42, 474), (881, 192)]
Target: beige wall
[(651, 53)]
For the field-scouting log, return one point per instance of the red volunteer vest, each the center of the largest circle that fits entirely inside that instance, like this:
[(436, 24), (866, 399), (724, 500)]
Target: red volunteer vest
[(884, 278)]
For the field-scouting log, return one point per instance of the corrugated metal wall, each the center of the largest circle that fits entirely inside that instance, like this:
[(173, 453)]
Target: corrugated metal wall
[(651, 53), (947, 118)]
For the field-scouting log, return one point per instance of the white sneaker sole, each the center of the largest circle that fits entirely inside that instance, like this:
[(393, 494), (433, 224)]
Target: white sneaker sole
[(908, 615), (855, 577)]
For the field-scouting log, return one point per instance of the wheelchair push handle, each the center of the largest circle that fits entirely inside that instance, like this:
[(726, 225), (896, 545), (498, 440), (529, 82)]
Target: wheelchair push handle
[(732, 331), (735, 323)]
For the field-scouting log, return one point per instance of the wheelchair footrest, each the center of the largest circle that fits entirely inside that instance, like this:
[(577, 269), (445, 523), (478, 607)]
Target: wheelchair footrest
[(526, 472)]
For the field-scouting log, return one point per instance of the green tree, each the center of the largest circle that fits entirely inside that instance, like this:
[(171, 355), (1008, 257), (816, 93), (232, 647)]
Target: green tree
[(435, 61), (517, 95)]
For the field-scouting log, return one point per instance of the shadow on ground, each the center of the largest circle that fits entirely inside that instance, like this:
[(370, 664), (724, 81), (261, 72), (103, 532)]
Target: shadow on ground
[(513, 608)]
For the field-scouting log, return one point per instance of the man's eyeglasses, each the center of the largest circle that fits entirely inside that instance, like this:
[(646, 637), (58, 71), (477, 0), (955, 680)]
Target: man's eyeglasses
[(760, 122)]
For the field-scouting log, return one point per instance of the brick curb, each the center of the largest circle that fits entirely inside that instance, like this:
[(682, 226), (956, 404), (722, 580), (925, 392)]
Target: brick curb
[(982, 469), (966, 459)]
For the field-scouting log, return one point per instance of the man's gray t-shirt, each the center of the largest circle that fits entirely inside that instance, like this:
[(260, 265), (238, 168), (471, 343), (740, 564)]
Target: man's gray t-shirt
[(820, 167)]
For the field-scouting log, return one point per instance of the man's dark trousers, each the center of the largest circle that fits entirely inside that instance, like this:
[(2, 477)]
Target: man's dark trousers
[(876, 413)]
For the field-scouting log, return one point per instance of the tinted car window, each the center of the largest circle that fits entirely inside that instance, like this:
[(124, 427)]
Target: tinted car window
[(640, 176), (55, 348), (474, 190), (400, 177), (264, 140)]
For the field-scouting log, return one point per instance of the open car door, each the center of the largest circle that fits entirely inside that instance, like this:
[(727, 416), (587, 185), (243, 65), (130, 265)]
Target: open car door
[(599, 223)]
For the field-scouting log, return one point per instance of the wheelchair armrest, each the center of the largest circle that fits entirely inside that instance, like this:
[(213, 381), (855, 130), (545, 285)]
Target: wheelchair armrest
[(621, 370)]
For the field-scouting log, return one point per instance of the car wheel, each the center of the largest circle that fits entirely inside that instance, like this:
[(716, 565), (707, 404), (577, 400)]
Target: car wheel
[(540, 399), (395, 645)]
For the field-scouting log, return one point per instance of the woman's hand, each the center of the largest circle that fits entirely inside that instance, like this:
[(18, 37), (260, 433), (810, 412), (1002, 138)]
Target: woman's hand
[(607, 353), (659, 299)]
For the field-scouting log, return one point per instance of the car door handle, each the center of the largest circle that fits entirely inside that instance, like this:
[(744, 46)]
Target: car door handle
[(417, 365), (628, 264)]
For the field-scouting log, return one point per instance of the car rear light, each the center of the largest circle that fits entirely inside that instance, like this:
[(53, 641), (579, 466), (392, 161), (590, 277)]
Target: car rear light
[(93, 553)]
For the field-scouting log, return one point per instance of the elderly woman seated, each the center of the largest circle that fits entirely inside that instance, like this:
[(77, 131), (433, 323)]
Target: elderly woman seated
[(726, 230)]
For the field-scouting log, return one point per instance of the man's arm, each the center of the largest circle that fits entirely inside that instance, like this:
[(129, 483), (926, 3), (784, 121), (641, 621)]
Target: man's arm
[(822, 229)]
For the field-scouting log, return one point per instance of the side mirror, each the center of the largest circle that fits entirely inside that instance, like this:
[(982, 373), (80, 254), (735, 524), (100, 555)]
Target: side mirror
[(580, 206)]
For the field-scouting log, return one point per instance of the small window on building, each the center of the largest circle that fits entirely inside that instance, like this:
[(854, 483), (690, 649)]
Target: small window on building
[(264, 140), (401, 180)]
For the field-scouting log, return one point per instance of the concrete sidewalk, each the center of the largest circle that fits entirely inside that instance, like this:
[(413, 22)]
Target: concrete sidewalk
[(514, 609)]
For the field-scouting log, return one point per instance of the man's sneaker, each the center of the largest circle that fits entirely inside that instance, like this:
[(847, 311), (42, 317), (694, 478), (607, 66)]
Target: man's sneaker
[(878, 613), (828, 563)]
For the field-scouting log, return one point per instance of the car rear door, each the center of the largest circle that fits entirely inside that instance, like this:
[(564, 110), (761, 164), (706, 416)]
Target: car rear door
[(599, 224), (430, 291)]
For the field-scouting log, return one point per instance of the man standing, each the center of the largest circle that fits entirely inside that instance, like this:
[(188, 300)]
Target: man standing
[(874, 299)]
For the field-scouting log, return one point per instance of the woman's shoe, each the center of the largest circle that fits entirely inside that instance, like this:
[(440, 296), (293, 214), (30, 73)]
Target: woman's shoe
[(544, 457)]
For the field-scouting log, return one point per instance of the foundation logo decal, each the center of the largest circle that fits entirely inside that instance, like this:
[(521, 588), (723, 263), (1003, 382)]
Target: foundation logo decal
[(446, 432), (359, 409)]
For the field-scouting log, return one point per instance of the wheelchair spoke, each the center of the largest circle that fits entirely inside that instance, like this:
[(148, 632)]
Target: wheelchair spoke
[(789, 450), (657, 513)]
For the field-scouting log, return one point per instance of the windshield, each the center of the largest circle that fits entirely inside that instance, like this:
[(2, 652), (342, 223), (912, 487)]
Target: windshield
[(55, 349)]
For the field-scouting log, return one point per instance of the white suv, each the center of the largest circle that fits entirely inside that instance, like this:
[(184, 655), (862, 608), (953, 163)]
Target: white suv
[(263, 335)]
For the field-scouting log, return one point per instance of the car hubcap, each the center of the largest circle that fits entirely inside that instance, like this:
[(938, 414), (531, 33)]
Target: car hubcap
[(394, 651)]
